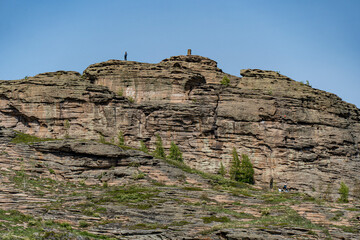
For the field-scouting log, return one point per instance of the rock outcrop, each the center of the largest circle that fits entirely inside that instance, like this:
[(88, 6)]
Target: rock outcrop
[(81, 189), (292, 132)]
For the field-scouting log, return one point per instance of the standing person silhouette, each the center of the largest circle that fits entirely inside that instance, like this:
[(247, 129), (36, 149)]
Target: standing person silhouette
[(125, 56)]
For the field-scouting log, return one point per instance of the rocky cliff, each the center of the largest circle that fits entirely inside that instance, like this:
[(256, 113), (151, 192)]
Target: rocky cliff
[(84, 190), (292, 132)]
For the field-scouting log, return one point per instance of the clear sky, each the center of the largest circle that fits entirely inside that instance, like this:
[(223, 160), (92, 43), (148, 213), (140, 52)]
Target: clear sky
[(314, 40)]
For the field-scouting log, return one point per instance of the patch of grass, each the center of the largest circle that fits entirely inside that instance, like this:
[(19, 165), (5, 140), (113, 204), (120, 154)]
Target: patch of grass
[(192, 188), (127, 194), (138, 176), (16, 225), (102, 139), (275, 198), (239, 191), (353, 209), (211, 219), (283, 216), (14, 216), (337, 216), (265, 212), (4, 153), (28, 139), (220, 209), (83, 224), (214, 178), (142, 206), (131, 99), (157, 183), (90, 209), (349, 229)]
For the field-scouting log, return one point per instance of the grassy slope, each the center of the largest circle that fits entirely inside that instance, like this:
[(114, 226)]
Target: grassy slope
[(90, 209)]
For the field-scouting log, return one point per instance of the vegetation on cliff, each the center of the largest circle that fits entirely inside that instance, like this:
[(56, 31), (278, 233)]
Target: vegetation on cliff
[(201, 204)]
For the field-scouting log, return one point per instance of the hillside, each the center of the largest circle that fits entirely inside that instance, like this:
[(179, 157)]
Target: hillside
[(62, 166)]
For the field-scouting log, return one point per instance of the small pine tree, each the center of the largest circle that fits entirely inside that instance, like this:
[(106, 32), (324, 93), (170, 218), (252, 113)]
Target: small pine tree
[(225, 81), (143, 147), (344, 193), (246, 170), (222, 171), (159, 150), (235, 165), (175, 153), (121, 139)]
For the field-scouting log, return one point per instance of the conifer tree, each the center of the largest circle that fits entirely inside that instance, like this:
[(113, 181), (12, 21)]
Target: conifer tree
[(159, 150), (344, 193), (175, 153), (241, 171), (222, 171), (235, 165), (246, 170)]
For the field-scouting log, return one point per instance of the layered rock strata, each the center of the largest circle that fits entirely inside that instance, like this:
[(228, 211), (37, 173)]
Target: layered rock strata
[(77, 189), (292, 132)]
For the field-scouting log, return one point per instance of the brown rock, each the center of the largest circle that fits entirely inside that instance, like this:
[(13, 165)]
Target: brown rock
[(291, 132)]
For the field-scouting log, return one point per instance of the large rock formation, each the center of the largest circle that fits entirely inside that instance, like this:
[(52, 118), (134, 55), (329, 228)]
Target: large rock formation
[(82, 190), (292, 133)]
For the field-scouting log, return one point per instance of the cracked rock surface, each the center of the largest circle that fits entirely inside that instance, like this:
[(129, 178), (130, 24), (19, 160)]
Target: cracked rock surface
[(292, 132), (63, 189)]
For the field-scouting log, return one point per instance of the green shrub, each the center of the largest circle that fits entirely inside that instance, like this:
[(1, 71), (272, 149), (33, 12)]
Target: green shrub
[(265, 212), (121, 139), (143, 147), (344, 193), (175, 153), (222, 171), (131, 99), (139, 175), (83, 224), (159, 150), (225, 81)]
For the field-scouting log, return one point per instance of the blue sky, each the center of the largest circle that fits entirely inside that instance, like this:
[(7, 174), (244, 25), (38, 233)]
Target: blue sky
[(318, 41)]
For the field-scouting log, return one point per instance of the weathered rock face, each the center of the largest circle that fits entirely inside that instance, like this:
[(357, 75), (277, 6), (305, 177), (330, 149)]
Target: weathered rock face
[(291, 132), (70, 189)]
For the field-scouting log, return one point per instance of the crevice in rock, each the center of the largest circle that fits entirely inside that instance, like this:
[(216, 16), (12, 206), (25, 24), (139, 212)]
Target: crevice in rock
[(194, 81), (21, 117), (215, 126)]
